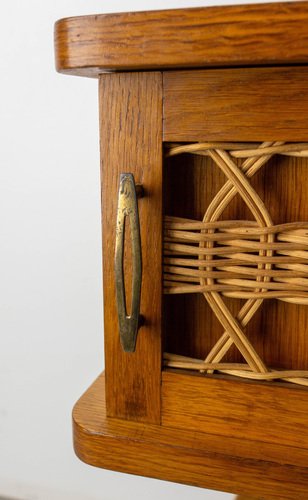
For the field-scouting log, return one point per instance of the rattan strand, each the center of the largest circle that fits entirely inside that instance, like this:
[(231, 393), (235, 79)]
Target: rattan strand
[(252, 260)]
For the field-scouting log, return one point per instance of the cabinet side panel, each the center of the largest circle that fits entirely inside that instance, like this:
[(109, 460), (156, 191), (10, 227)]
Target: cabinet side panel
[(131, 141)]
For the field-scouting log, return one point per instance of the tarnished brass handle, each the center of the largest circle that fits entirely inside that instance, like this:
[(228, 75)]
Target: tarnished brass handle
[(128, 207)]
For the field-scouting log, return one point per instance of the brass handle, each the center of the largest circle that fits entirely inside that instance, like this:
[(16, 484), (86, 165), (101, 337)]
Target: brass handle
[(128, 207)]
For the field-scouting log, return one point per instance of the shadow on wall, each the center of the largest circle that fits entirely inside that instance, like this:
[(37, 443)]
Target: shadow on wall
[(10, 498)]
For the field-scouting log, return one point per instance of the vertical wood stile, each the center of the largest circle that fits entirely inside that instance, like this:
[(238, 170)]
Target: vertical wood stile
[(131, 141)]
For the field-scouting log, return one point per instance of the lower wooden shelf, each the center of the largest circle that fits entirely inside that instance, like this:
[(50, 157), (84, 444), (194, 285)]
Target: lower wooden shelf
[(224, 463)]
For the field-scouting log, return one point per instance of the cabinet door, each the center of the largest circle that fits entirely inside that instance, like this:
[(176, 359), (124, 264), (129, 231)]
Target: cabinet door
[(131, 142), (235, 254)]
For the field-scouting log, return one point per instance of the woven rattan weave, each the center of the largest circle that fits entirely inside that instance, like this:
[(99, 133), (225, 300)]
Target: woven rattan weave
[(252, 260)]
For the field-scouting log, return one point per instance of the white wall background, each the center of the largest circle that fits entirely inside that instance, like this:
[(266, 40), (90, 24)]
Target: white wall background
[(51, 342)]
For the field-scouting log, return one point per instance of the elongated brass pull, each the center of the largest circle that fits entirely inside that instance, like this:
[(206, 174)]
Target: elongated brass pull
[(128, 207)]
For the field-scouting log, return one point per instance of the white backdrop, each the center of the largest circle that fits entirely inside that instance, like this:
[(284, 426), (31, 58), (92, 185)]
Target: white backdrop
[(51, 336)]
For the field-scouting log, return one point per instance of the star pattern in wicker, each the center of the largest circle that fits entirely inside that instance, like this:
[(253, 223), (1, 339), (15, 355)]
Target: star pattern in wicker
[(252, 260)]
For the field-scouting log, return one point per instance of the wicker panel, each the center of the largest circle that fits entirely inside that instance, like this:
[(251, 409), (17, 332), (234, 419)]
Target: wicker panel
[(252, 260)]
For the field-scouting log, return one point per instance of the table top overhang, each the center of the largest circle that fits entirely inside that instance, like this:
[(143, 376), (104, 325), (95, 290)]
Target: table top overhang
[(240, 35)]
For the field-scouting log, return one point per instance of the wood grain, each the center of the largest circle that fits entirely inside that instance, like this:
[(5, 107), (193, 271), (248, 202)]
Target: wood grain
[(186, 456), (131, 134), (244, 410), (236, 104), (244, 497), (217, 36)]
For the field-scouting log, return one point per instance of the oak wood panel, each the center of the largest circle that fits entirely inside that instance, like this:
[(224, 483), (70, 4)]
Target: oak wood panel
[(186, 456), (244, 497), (131, 135), (242, 409), (246, 104), (217, 36), (278, 331)]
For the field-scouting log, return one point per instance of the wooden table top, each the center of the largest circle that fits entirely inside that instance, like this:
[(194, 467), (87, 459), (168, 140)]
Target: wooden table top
[(240, 35)]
